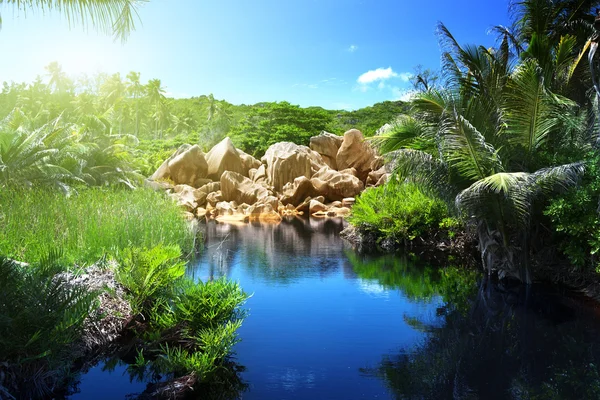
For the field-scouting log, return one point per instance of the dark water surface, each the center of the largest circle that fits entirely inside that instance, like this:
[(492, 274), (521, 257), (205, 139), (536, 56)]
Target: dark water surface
[(326, 323)]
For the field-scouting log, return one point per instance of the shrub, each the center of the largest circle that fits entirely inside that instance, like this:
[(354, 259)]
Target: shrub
[(575, 219), (87, 224), (402, 212), (190, 326)]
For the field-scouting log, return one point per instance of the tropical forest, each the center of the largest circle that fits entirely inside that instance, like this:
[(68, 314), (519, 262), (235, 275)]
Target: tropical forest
[(216, 201)]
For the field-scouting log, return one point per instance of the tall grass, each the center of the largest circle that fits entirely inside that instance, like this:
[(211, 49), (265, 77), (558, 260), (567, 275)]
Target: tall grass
[(87, 224)]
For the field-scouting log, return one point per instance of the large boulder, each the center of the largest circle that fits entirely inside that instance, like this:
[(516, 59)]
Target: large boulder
[(248, 162), (327, 145), (189, 167), (285, 162), (295, 192), (162, 173), (238, 188), (355, 153), (224, 157), (334, 185), (183, 195)]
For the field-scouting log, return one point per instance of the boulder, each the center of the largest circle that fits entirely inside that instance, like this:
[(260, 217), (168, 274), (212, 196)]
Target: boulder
[(260, 176), (333, 185), (285, 162), (316, 206), (295, 192), (162, 173), (200, 212), (348, 202), (184, 197), (188, 167), (327, 145), (214, 198), (201, 193), (375, 176), (248, 162), (223, 157), (263, 212), (355, 153), (238, 188)]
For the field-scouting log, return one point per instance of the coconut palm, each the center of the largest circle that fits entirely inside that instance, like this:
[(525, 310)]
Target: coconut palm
[(482, 141), (116, 17)]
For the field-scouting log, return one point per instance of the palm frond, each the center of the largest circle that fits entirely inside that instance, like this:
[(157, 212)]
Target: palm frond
[(116, 17)]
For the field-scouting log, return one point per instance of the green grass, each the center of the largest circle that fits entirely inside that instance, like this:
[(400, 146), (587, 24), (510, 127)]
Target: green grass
[(88, 224)]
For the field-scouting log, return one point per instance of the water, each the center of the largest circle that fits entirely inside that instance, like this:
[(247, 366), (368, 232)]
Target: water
[(326, 323)]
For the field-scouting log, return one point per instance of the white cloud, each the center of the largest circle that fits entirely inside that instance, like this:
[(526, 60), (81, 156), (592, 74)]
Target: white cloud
[(352, 48), (379, 74), (381, 85), (406, 76)]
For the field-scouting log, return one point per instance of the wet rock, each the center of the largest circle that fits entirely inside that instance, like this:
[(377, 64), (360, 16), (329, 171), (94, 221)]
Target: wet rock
[(214, 198), (263, 212), (316, 206)]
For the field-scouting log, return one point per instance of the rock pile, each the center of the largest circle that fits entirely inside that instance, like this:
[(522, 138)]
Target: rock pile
[(228, 184)]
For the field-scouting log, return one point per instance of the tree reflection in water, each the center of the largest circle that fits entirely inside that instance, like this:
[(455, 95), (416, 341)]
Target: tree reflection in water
[(490, 340)]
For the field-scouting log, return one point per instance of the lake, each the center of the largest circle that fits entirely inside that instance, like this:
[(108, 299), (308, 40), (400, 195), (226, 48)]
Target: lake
[(327, 323)]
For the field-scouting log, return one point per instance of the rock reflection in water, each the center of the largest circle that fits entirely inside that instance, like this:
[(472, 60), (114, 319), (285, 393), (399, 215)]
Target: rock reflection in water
[(273, 250)]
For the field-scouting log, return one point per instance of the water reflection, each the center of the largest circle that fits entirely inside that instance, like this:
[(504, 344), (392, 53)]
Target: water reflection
[(273, 251), (511, 343)]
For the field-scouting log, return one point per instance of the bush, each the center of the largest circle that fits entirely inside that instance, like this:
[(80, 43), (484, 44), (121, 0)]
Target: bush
[(402, 212), (87, 224)]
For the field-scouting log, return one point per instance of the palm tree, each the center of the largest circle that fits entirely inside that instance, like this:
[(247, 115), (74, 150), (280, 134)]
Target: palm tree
[(116, 17), (136, 90), (481, 141), (156, 96)]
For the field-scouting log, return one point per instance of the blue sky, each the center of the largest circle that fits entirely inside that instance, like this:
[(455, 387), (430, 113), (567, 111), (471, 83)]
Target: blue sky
[(341, 54)]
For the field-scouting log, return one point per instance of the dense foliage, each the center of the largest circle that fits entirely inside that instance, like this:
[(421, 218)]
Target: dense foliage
[(41, 317), (137, 122), (503, 128)]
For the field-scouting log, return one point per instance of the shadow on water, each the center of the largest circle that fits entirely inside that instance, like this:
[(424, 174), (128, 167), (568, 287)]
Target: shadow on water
[(502, 342)]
